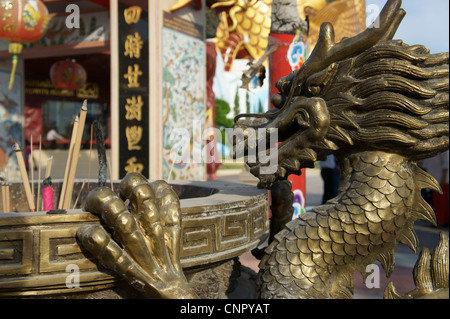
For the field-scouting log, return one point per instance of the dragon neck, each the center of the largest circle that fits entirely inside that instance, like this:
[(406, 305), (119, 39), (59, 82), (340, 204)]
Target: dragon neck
[(316, 255), (383, 182), (380, 194)]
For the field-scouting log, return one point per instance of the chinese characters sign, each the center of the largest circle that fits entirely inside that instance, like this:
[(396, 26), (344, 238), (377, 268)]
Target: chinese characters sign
[(133, 91)]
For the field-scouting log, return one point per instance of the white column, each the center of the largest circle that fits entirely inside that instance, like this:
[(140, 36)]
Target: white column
[(114, 104)]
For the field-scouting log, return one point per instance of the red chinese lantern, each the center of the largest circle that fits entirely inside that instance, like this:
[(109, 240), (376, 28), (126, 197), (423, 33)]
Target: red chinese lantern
[(22, 21), (68, 75)]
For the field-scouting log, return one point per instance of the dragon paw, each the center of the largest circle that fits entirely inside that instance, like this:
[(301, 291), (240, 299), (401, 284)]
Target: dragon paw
[(430, 274), (145, 248)]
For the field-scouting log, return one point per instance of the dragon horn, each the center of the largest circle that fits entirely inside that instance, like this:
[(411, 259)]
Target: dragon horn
[(328, 51)]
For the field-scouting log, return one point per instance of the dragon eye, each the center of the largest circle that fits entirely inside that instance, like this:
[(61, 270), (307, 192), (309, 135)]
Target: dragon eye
[(317, 82), (314, 89)]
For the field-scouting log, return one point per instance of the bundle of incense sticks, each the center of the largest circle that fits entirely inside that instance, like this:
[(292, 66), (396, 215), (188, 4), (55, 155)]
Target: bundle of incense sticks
[(72, 161), (69, 158), (24, 175), (101, 152), (47, 189), (47, 194)]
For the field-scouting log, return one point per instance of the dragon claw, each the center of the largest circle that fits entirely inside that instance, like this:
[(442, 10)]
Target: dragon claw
[(145, 246)]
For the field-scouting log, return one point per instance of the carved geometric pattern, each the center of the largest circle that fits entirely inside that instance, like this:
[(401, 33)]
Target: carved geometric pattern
[(59, 248), (222, 234), (259, 221), (35, 252), (16, 252), (36, 248), (198, 236)]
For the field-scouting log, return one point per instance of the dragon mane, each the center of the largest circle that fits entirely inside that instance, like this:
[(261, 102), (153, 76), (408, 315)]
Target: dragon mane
[(393, 97)]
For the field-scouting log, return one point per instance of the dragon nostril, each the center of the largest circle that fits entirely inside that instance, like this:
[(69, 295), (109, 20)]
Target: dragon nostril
[(302, 118)]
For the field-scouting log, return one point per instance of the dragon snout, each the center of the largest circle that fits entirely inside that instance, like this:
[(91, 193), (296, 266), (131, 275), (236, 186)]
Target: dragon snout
[(288, 134)]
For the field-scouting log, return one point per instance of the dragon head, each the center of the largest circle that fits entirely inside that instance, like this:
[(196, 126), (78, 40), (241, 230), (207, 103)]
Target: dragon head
[(367, 92)]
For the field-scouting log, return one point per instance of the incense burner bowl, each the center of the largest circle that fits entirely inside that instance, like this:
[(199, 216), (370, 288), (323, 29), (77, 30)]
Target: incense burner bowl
[(41, 257)]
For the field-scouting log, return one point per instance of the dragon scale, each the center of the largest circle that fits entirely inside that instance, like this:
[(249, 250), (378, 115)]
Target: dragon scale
[(379, 200)]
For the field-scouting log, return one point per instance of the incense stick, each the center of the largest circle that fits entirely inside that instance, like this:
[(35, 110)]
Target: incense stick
[(39, 173), (110, 173), (31, 164), (48, 168), (90, 156), (4, 196), (79, 194), (8, 200), (68, 163), (8, 207), (23, 172), (47, 190), (101, 154), (76, 152)]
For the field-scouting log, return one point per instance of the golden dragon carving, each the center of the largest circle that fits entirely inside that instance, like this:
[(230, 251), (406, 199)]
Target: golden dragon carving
[(246, 24), (347, 17), (380, 106)]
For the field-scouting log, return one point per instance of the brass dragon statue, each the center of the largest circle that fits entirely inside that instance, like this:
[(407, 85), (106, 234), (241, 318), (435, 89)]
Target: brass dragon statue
[(380, 106)]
